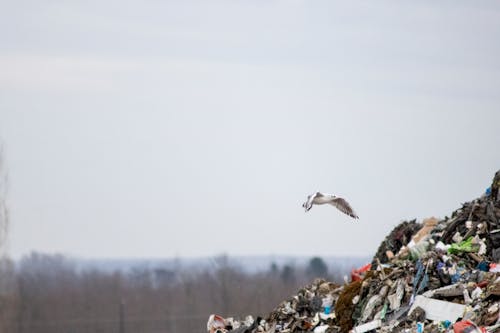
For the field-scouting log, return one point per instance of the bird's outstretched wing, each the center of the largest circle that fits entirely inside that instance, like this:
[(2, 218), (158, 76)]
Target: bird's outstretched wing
[(309, 202), (342, 205)]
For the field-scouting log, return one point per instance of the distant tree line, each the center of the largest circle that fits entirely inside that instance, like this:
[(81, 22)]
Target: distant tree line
[(49, 294), (6, 296)]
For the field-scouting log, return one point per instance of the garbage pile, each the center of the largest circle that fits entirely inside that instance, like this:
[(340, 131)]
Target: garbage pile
[(433, 276)]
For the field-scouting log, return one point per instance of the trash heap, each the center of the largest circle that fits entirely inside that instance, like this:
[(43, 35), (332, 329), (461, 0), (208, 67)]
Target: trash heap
[(433, 276)]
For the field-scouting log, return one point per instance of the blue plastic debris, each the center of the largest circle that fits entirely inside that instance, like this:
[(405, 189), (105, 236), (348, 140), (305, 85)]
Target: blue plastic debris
[(483, 266)]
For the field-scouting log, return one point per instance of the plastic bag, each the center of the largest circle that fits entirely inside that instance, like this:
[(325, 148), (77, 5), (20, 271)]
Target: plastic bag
[(464, 246)]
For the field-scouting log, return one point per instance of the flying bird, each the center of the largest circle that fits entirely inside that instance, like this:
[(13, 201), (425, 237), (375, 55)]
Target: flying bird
[(319, 198)]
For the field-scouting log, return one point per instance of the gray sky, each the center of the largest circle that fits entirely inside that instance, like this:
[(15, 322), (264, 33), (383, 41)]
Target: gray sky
[(194, 128)]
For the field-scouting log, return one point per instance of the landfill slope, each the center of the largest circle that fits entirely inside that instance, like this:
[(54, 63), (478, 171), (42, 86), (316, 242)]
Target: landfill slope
[(433, 276)]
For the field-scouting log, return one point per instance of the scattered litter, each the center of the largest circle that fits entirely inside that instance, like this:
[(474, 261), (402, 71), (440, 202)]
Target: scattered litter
[(358, 274), (467, 326), (438, 310), (368, 326), (216, 324)]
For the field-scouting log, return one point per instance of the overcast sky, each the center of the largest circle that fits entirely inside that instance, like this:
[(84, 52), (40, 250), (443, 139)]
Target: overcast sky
[(195, 128)]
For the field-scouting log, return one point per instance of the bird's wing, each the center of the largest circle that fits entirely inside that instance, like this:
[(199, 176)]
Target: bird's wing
[(342, 205), (310, 198)]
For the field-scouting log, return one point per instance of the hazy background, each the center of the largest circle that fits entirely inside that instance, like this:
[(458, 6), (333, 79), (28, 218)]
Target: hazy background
[(194, 128)]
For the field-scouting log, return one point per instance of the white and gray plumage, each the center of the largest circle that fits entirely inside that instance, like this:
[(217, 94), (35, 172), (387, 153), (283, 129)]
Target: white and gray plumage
[(319, 198)]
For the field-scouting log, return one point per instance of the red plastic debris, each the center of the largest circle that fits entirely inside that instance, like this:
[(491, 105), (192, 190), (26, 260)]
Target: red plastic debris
[(358, 274), (467, 326)]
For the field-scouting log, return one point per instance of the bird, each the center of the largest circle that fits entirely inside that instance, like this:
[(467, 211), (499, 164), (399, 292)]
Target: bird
[(319, 198)]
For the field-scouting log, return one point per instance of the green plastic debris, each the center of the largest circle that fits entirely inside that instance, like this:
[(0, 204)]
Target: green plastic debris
[(464, 246)]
